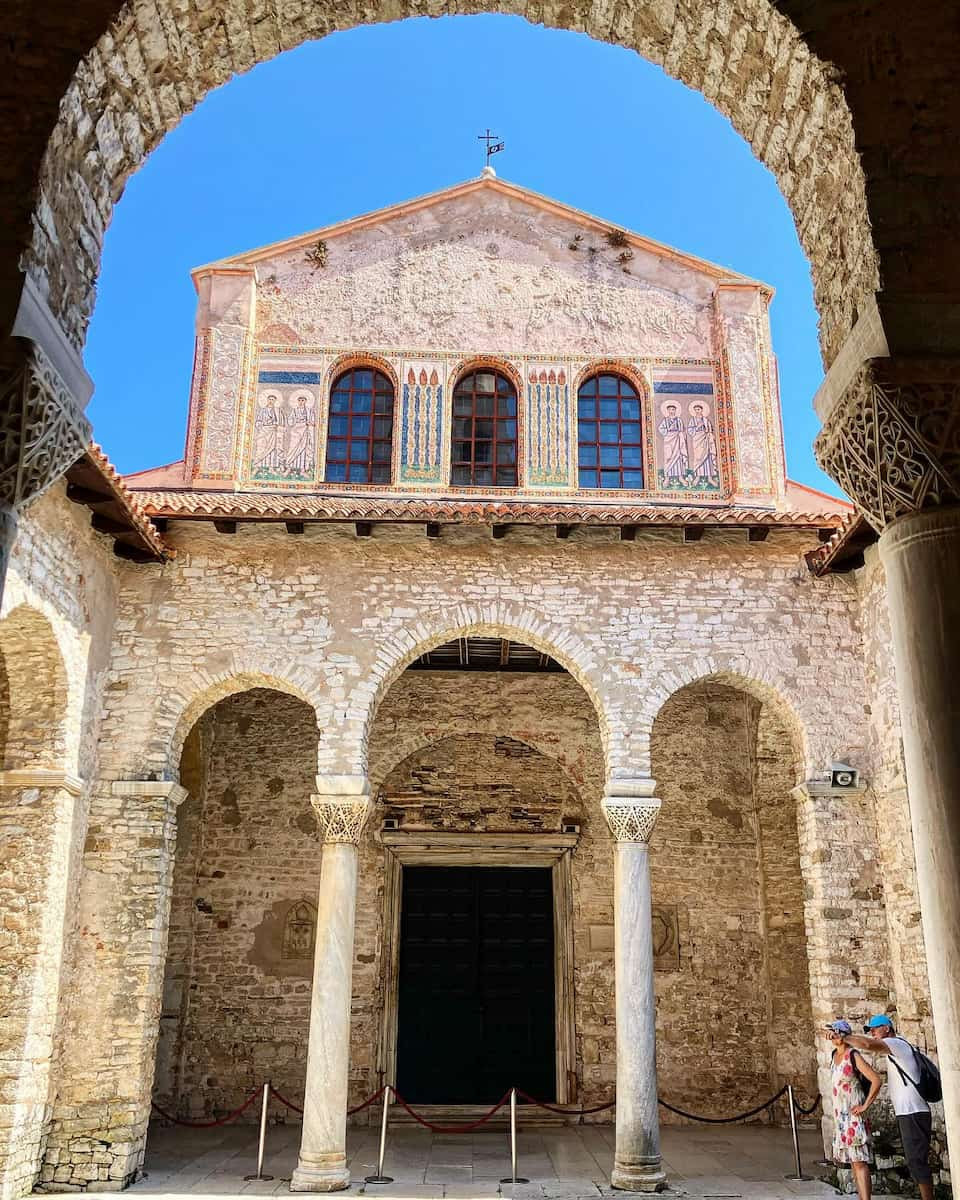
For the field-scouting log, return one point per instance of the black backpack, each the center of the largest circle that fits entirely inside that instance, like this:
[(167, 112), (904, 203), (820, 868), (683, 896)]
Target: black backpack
[(928, 1085)]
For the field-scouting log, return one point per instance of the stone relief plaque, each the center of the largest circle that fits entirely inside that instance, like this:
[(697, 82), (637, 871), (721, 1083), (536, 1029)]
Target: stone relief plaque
[(666, 937), (299, 931)]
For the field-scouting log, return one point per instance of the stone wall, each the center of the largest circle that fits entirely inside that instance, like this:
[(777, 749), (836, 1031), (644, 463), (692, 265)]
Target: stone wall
[(58, 614)]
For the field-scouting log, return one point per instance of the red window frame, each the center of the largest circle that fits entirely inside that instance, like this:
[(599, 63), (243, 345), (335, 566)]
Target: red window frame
[(360, 427), (610, 432), (484, 445)]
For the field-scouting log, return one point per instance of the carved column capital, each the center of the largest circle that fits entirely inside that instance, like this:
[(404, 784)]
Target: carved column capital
[(42, 427), (342, 805), (892, 441), (631, 809)]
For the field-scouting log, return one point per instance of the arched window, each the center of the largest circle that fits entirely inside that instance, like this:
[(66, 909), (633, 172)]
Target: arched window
[(484, 430), (610, 437), (360, 428)]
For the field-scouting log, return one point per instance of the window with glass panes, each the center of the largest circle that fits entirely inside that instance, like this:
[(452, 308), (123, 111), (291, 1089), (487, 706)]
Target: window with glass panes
[(610, 439), (484, 445), (360, 428)]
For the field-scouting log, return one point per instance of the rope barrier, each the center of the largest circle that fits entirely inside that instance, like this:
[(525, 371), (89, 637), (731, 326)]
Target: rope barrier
[(465, 1127), (208, 1124), (564, 1110), (468, 1126), (807, 1112), (723, 1120), (283, 1100)]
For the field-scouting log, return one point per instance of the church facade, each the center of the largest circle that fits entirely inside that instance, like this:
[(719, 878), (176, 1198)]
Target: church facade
[(458, 714)]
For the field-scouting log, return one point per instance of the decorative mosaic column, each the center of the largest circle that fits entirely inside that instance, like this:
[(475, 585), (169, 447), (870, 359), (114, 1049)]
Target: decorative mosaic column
[(38, 831), (631, 810), (892, 441), (342, 805)]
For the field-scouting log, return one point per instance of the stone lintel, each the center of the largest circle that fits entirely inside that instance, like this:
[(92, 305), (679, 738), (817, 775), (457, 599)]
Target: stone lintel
[(41, 777), (163, 788)]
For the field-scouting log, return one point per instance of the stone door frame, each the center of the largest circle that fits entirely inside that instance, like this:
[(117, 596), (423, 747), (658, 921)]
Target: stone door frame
[(478, 849)]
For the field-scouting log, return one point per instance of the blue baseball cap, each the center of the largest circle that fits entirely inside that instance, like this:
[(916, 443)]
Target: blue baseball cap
[(841, 1027), (878, 1020)]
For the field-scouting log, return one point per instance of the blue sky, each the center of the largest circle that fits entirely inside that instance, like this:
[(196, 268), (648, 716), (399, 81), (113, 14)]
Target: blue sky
[(377, 115)]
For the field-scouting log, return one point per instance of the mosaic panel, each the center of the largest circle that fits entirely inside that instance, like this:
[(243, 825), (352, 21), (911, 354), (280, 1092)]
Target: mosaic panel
[(422, 422), (217, 432), (687, 451), (548, 425), (284, 443), (744, 357)]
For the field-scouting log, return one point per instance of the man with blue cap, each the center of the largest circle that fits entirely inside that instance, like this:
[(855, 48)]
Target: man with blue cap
[(913, 1112)]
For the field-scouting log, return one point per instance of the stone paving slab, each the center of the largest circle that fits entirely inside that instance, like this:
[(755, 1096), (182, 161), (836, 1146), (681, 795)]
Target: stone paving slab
[(566, 1163)]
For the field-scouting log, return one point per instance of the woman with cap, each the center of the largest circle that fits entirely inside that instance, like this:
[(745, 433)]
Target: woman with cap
[(855, 1087)]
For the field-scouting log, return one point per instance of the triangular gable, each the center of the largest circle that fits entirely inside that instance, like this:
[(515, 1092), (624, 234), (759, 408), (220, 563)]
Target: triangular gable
[(471, 187)]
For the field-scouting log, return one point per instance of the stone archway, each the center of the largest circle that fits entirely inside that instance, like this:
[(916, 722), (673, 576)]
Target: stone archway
[(727, 870)]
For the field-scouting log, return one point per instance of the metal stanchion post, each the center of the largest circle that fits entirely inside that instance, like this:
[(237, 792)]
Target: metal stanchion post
[(514, 1178), (380, 1177), (796, 1136), (260, 1177)]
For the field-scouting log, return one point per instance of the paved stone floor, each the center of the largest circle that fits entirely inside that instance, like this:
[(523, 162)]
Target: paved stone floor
[(567, 1163)]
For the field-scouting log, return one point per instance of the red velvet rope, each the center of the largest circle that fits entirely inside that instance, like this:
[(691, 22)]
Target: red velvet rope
[(210, 1124), (566, 1111), (466, 1127)]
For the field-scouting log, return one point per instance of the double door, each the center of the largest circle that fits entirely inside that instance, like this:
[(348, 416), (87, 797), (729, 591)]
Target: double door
[(476, 984)]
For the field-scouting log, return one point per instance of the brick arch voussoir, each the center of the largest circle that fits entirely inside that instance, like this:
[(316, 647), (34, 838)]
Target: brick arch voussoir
[(744, 675), (157, 61), (186, 705), (397, 650), (418, 742)]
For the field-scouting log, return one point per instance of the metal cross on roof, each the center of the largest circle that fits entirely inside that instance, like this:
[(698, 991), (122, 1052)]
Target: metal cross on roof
[(494, 146)]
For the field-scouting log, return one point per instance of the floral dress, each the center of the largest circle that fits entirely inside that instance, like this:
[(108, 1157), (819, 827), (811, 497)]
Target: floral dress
[(851, 1141)]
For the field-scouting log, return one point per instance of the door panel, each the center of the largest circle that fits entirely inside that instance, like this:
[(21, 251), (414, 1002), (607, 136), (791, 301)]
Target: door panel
[(476, 988)]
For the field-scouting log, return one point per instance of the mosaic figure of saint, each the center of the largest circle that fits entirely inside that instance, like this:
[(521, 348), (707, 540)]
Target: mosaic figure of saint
[(301, 437), (702, 441), (268, 453), (676, 455)]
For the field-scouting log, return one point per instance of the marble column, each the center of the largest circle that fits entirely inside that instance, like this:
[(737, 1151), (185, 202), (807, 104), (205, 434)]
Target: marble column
[(342, 805), (631, 811), (891, 438), (921, 557)]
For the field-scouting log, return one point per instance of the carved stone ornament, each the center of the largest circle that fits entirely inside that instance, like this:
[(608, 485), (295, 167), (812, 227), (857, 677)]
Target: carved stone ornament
[(341, 818), (631, 820), (42, 428), (893, 440)]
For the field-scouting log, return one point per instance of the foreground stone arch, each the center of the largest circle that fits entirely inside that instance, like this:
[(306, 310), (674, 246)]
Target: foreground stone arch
[(156, 62)]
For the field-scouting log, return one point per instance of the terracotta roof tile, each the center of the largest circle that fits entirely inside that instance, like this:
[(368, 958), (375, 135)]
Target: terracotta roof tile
[(270, 506)]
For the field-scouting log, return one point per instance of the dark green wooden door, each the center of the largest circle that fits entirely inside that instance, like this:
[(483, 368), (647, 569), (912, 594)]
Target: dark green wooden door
[(476, 996)]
